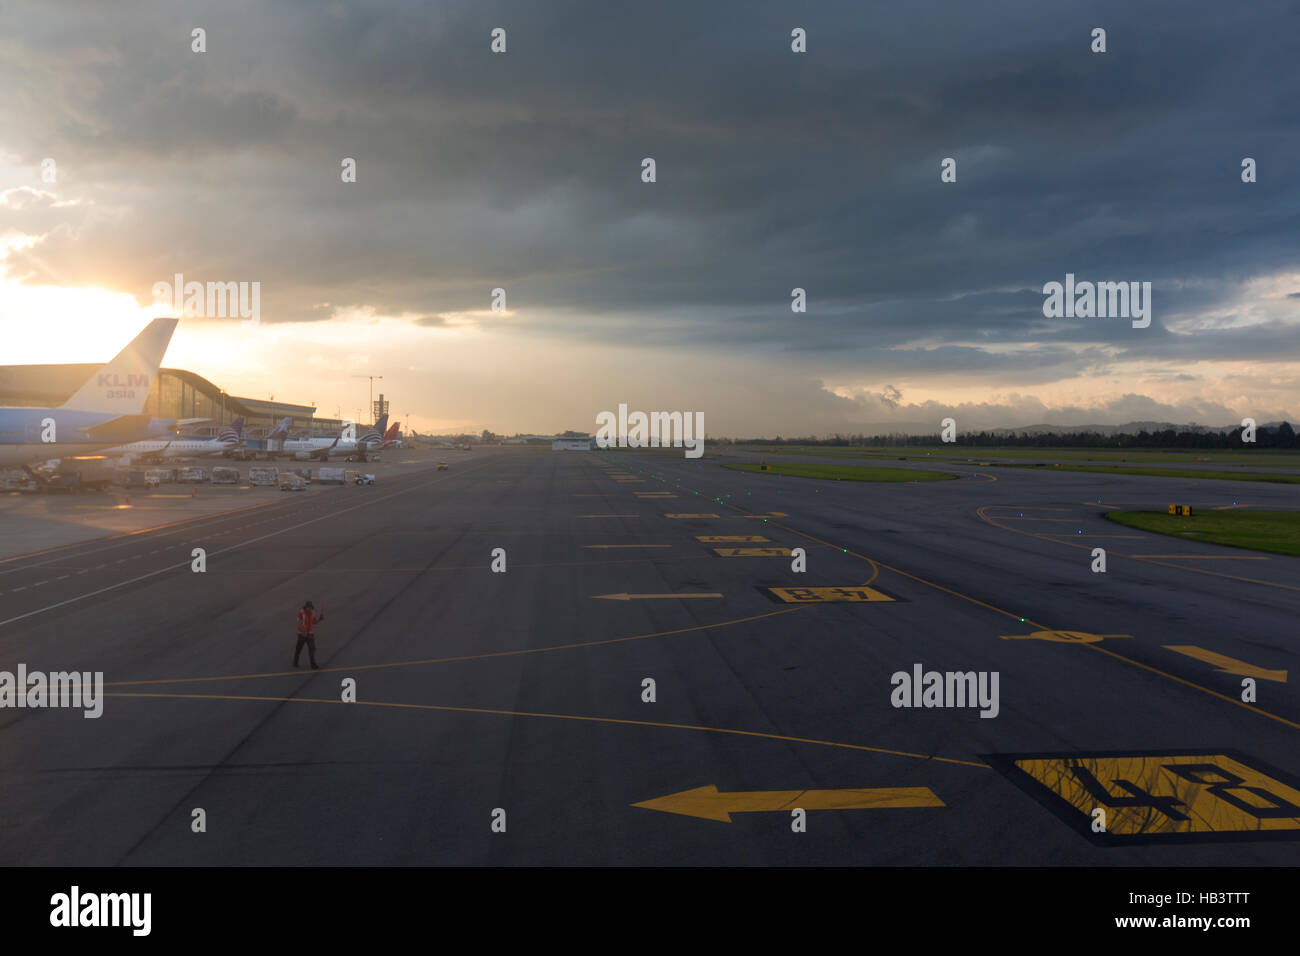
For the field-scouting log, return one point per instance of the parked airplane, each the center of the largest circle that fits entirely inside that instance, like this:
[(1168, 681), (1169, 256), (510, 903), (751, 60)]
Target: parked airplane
[(393, 437), (155, 449), (310, 448), (267, 447), (322, 449), (108, 410), (367, 445)]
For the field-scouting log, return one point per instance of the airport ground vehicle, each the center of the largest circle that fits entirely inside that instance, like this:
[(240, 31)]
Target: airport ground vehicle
[(130, 477), (442, 466), (156, 476), (360, 478), (292, 482), (261, 477), (73, 482), (331, 476), (222, 475)]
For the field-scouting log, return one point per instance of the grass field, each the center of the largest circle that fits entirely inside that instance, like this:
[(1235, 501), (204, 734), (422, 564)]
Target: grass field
[(1272, 459), (843, 472), (1171, 473), (1275, 531)]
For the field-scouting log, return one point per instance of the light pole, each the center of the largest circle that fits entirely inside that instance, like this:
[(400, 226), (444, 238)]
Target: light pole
[(372, 390)]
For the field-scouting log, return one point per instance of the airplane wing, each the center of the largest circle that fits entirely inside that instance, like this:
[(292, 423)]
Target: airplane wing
[(125, 428)]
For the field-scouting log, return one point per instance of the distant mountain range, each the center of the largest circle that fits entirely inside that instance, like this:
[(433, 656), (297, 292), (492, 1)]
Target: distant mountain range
[(1128, 428)]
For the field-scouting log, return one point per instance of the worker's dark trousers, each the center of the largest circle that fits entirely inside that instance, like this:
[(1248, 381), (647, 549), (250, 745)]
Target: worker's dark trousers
[(310, 641)]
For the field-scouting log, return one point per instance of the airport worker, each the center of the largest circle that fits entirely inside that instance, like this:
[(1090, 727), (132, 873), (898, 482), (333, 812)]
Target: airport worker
[(307, 621)]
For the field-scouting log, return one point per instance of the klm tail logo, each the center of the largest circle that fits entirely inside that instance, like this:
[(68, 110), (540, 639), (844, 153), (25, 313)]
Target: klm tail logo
[(114, 380)]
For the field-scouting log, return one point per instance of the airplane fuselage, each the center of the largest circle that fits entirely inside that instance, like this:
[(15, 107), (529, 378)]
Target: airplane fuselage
[(33, 434)]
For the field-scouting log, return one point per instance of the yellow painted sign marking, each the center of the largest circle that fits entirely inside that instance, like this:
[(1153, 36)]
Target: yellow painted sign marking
[(723, 538), (654, 597), (708, 803), (829, 595), (1062, 637), (1148, 798), (1225, 664), (772, 552), (690, 516)]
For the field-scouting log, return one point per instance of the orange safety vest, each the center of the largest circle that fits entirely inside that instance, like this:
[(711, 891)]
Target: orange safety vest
[(306, 620)]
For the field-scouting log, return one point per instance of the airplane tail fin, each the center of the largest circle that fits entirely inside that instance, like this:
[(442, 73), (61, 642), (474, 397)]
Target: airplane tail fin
[(376, 432), (122, 386), (235, 432), (282, 429)]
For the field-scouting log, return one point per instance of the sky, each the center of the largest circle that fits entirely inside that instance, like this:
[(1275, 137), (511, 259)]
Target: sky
[(775, 170)]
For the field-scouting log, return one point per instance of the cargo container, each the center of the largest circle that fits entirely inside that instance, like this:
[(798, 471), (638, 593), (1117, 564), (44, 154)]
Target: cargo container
[(222, 475), (129, 477), (331, 476), (261, 476)]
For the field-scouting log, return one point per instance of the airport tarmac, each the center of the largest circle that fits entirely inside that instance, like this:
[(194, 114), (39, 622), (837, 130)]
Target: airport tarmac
[(504, 717), (33, 521)]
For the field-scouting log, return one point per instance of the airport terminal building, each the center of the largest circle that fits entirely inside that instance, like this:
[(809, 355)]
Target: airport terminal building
[(176, 394)]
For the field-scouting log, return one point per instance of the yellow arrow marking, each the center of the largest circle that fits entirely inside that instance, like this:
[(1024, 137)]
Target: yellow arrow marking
[(752, 552), (1061, 637), (829, 595), (643, 597), (1225, 664), (710, 804)]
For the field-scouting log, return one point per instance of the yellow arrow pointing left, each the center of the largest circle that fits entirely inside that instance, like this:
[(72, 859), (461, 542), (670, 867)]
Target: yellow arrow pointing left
[(1225, 664), (709, 804)]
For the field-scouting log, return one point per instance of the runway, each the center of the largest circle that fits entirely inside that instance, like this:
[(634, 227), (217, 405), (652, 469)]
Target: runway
[(504, 717)]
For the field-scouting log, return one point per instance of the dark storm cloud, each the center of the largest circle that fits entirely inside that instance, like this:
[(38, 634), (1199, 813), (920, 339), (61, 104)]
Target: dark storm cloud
[(819, 171)]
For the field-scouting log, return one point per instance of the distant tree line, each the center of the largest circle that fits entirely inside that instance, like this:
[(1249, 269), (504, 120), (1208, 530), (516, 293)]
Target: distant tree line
[(1280, 436)]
